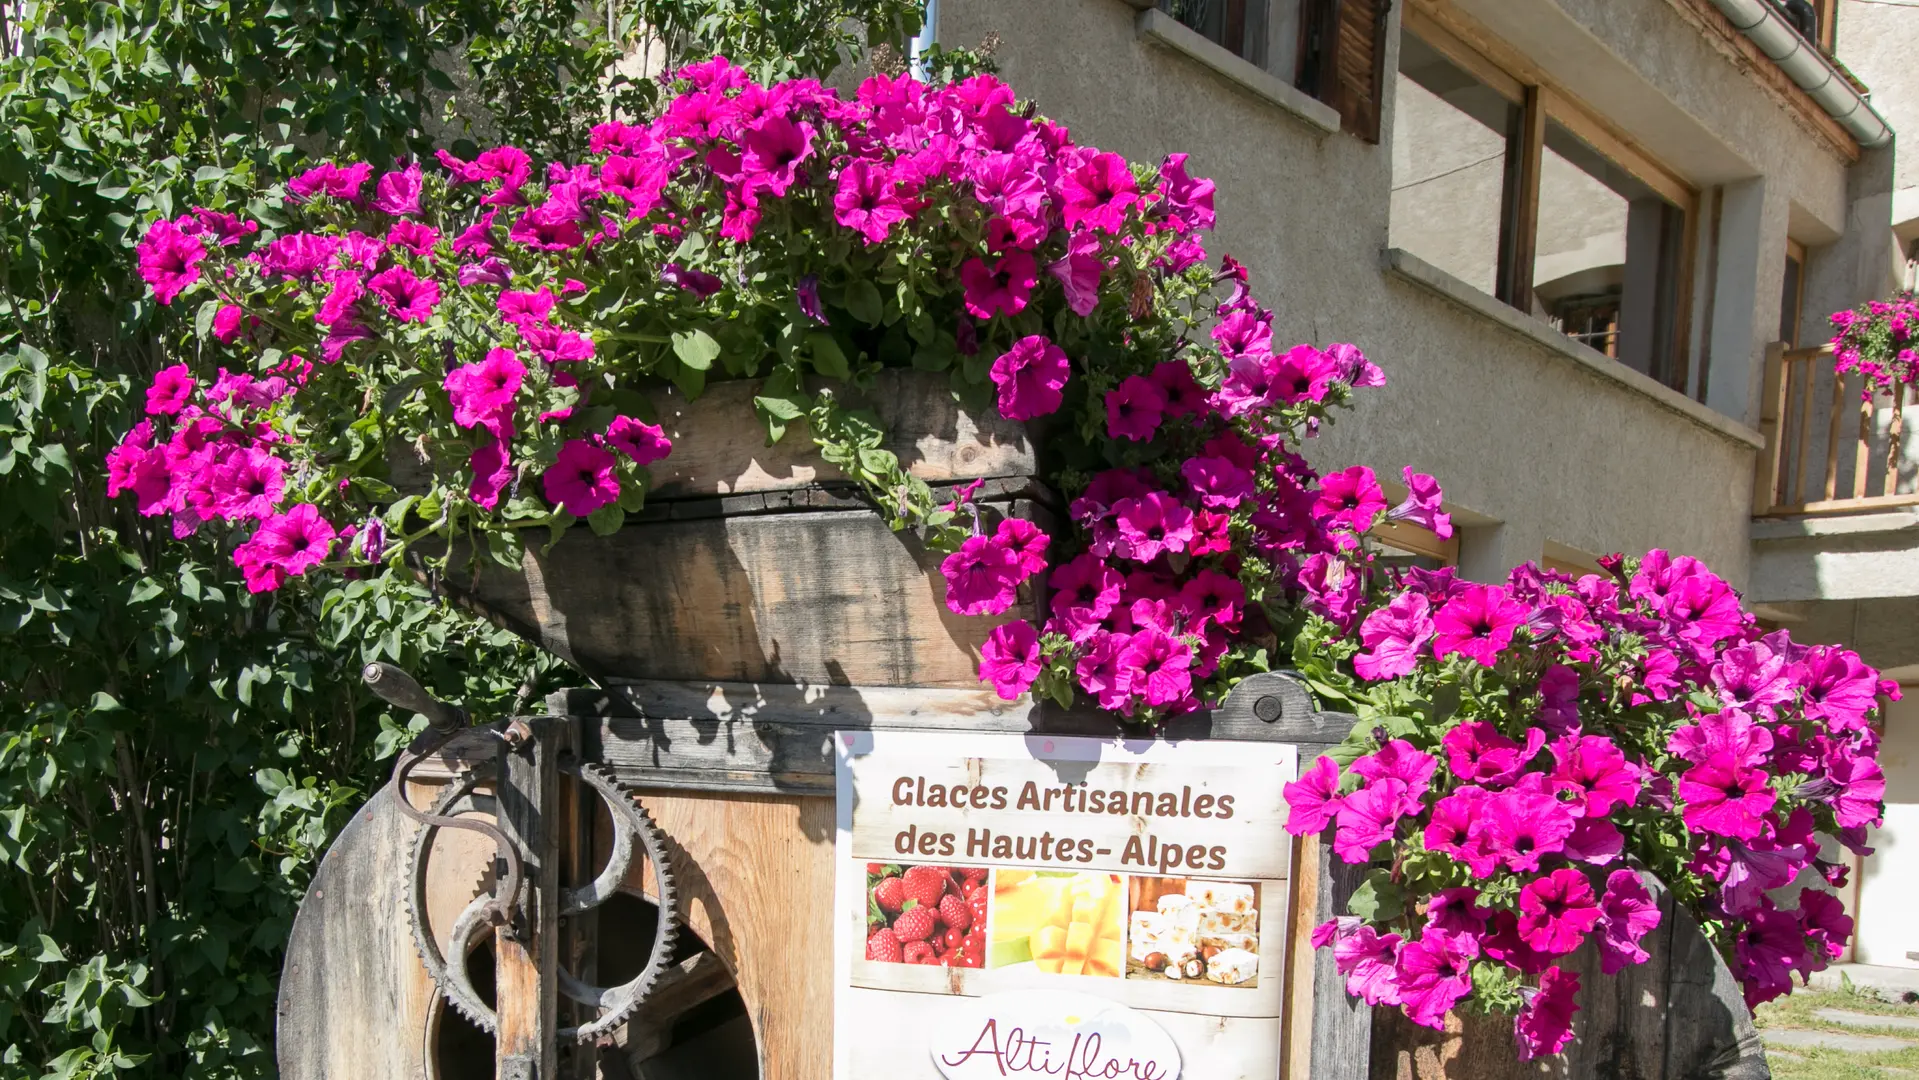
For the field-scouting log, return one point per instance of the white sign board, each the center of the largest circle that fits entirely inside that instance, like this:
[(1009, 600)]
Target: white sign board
[(1009, 904)]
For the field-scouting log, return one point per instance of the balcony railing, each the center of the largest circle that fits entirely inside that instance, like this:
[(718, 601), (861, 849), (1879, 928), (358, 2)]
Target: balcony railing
[(1828, 450)]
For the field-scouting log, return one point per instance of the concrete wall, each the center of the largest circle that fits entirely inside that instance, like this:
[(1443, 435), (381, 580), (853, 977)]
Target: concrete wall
[(1540, 446), (1889, 878), (1879, 42)]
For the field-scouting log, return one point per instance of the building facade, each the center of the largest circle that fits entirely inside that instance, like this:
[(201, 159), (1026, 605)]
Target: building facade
[(1591, 242)]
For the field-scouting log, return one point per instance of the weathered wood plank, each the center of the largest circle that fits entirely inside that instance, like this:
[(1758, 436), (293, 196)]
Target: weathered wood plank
[(528, 955), (733, 736), (354, 998), (755, 875), (796, 597), (719, 445)]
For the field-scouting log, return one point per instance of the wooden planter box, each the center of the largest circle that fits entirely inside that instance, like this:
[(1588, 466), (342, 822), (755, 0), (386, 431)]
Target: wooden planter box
[(756, 607)]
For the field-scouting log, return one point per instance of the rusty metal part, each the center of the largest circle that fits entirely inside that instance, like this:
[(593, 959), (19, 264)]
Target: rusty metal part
[(633, 827)]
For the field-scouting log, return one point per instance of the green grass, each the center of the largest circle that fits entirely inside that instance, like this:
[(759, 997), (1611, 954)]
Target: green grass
[(1809, 1063)]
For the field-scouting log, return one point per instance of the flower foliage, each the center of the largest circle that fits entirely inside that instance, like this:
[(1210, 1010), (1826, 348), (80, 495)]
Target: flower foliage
[(499, 325), (504, 319), (1880, 340), (1525, 748)]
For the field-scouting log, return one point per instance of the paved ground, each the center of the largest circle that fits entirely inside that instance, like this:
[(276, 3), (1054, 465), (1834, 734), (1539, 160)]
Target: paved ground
[(1887, 982), (1862, 1034)]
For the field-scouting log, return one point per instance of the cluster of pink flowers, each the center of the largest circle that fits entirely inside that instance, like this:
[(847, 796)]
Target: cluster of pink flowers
[(1881, 340), (214, 459), (1642, 705), (504, 317)]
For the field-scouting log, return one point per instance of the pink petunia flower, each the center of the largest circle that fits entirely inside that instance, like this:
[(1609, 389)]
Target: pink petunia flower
[(1521, 826), (643, 442), (1302, 374), (981, 577), (1592, 775), (1456, 828), (1402, 761), (327, 178), (483, 393), (1098, 193), (1422, 505), (398, 193), (1150, 524), (1103, 674), (1085, 591), (1188, 200), (865, 201), (582, 478), (1433, 973), (1160, 667), (406, 296), (169, 260), (1368, 959), (1079, 272), (1333, 589), (1627, 913), (1312, 801), (1001, 288), (289, 544), (171, 389), (1545, 1021), (1134, 410), (1184, 396), (492, 471), (1559, 699), (1368, 818), (1478, 754), (1557, 911), (1010, 659), (1477, 623), (226, 322), (1724, 798), (1393, 637), (1350, 499), (415, 236), (1030, 377), (247, 484)]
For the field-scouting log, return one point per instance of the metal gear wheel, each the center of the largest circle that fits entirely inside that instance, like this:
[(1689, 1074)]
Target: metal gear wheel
[(631, 823)]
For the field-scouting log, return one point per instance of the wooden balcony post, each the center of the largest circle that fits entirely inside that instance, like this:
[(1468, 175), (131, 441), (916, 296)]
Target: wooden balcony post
[(1765, 476)]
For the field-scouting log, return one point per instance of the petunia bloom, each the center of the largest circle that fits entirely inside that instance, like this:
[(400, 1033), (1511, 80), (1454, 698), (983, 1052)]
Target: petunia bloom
[(1312, 801), (1478, 623), (1030, 376), (1545, 1021), (581, 480), (643, 442), (1135, 409), (1010, 659), (1393, 637), (1557, 911)]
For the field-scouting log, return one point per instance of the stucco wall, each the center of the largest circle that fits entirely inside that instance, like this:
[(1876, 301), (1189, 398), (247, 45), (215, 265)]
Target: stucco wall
[(1518, 433), (1879, 42)]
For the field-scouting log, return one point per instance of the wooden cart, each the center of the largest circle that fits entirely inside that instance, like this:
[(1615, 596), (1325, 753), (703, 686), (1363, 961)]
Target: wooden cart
[(757, 607)]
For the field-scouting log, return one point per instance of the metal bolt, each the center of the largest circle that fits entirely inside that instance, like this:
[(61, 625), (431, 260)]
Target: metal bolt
[(1268, 708)]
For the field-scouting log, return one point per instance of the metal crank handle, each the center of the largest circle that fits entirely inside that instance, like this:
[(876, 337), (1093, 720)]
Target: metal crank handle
[(398, 688)]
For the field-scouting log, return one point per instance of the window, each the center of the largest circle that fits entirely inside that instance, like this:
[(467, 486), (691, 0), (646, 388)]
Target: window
[(1793, 296), (1607, 256), (1450, 154), (1243, 26), (1519, 191), (1334, 50), (1403, 544)]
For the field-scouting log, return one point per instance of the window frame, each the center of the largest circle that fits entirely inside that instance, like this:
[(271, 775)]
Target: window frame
[(1539, 98), (1796, 252)]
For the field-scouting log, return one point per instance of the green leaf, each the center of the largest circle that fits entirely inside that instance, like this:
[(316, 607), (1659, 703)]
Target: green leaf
[(828, 358), (1377, 899), (863, 301), (782, 408), (606, 520), (696, 349), (113, 186)]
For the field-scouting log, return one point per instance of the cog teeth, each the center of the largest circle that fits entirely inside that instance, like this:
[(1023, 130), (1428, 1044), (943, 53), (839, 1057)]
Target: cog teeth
[(627, 998), (424, 944)]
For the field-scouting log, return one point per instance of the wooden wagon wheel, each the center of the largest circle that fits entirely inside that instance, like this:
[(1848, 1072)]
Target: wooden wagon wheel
[(631, 825)]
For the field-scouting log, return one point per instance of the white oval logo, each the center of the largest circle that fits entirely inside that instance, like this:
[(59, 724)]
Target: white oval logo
[(1052, 1033)]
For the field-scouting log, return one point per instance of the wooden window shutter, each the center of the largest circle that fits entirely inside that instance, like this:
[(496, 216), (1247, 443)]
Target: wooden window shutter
[(1343, 59)]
